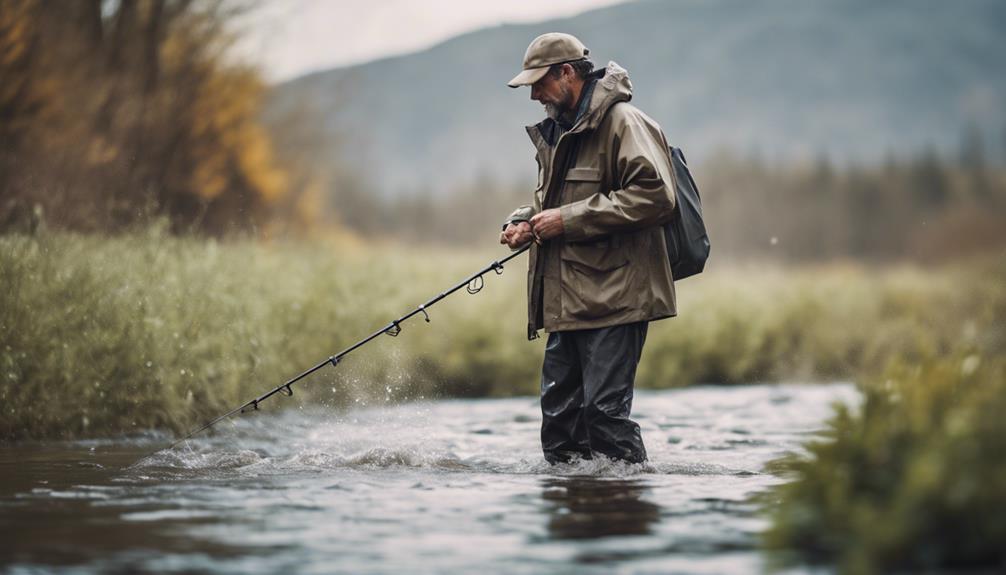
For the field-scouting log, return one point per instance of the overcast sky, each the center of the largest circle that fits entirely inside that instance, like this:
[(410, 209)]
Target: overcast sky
[(288, 38)]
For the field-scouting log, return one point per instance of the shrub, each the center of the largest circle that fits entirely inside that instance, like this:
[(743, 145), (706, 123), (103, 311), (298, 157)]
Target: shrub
[(913, 479)]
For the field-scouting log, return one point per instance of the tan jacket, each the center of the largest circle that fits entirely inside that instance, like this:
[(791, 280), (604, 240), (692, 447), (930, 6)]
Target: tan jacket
[(610, 265)]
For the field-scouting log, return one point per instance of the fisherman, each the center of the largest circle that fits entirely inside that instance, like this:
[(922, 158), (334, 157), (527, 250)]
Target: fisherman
[(598, 269)]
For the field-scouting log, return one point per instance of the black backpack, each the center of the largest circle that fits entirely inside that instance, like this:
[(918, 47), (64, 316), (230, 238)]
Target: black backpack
[(687, 240)]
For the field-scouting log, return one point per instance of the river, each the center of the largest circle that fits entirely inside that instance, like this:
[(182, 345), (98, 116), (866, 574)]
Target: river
[(445, 487)]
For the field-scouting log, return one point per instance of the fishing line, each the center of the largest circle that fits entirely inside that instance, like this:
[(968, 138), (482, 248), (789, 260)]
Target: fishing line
[(472, 284)]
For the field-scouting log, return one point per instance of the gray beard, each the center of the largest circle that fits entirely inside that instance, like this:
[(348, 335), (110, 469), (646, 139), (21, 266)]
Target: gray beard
[(557, 111)]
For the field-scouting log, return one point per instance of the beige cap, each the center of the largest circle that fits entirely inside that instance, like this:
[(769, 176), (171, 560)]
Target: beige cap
[(546, 50)]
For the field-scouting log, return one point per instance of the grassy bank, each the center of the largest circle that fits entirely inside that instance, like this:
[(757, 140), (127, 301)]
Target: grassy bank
[(914, 479), (911, 482), (104, 335)]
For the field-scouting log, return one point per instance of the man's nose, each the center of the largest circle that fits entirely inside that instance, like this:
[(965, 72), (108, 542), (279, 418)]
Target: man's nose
[(534, 91)]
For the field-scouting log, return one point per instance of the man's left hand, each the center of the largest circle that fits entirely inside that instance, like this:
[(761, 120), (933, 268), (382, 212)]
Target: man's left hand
[(547, 224)]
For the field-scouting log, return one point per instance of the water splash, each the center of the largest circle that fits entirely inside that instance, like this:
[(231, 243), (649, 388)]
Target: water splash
[(449, 485)]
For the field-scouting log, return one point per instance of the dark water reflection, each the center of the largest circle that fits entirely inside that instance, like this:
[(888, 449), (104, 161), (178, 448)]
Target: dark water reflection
[(52, 501), (591, 508)]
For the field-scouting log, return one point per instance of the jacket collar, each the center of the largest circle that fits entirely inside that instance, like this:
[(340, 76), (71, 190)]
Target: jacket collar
[(606, 87)]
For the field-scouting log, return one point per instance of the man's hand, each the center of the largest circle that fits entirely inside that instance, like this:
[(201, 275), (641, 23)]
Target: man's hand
[(516, 235), (547, 224)]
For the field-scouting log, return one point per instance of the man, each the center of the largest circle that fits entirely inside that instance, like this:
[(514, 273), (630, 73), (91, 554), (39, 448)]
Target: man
[(598, 269)]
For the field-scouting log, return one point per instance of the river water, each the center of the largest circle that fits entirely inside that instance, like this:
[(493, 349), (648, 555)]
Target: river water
[(432, 487)]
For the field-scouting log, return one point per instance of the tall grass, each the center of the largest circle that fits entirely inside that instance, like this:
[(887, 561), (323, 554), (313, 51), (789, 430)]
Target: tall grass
[(106, 335), (749, 324), (913, 479)]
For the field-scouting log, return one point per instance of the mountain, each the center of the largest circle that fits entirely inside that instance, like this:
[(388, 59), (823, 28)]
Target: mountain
[(851, 80)]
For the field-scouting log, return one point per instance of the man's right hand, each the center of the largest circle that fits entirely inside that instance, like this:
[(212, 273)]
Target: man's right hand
[(516, 235)]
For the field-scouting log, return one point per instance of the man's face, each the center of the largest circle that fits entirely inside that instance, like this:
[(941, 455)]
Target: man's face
[(554, 92)]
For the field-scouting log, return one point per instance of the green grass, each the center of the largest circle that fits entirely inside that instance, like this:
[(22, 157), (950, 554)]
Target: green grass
[(743, 325), (106, 335), (913, 479), (101, 335)]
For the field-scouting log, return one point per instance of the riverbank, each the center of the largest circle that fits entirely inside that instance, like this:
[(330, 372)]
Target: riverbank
[(912, 479), (102, 336)]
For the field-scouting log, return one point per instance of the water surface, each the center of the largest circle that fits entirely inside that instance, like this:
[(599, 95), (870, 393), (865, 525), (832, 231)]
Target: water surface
[(431, 487)]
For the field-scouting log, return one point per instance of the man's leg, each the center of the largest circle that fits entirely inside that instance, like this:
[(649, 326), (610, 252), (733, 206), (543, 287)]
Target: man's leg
[(609, 358), (562, 427)]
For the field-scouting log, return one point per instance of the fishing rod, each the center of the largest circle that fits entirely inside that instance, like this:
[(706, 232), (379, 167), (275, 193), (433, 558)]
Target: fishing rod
[(472, 284)]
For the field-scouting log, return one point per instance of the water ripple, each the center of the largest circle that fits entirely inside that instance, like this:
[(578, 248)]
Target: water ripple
[(442, 487)]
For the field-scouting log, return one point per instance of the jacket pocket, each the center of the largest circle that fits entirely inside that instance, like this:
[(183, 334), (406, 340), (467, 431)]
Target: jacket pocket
[(595, 279), (601, 255), (581, 182), (583, 174)]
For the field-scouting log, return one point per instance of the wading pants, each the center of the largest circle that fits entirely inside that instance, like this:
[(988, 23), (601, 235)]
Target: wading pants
[(586, 393)]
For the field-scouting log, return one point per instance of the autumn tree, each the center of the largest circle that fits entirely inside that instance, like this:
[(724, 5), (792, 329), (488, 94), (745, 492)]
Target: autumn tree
[(114, 113)]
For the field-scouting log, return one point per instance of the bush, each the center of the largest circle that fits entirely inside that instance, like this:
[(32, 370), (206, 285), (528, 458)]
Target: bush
[(914, 479)]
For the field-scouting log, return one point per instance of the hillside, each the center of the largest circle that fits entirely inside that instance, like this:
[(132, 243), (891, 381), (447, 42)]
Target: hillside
[(852, 80)]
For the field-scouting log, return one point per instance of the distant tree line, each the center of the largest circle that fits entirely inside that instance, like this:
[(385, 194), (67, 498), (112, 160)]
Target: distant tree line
[(113, 114), (922, 207)]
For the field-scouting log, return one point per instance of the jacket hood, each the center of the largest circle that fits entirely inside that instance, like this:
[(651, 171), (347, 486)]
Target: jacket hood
[(612, 86)]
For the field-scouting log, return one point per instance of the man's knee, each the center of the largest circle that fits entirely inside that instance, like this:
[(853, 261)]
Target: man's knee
[(596, 417)]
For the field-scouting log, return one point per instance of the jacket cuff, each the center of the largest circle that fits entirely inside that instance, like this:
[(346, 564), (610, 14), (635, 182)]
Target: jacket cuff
[(572, 220), (514, 220), (521, 214)]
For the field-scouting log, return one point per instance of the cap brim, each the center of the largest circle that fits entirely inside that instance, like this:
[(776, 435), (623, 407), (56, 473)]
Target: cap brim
[(528, 77)]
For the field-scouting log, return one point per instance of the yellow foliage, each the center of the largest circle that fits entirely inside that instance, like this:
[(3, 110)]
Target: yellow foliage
[(255, 157), (15, 32), (101, 150), (208, 179), (136, 114), (311, 201), (232, 145)]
